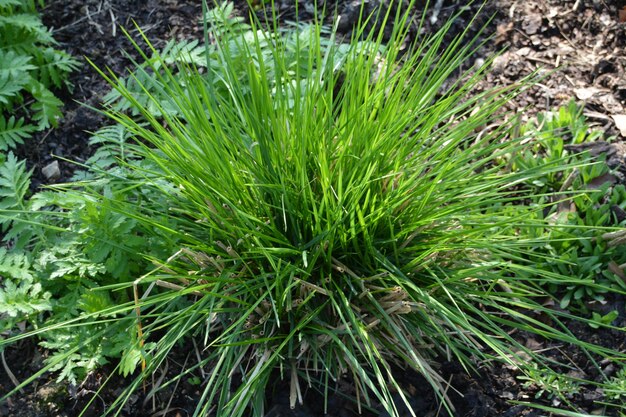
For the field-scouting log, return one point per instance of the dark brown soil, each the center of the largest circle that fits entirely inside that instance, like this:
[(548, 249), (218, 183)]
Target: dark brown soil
[(579, 45)]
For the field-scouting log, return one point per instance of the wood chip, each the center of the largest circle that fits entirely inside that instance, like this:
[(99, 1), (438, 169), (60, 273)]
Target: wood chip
[(620, 123)]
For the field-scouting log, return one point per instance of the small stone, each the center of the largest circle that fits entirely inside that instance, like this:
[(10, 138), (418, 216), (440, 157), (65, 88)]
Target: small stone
[(52, 171)]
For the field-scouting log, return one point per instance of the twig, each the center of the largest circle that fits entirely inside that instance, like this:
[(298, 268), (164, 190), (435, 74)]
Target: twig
[(172, 286), (113, 25), (9, 373), (197, 351), (569, 180), (543, 61), (615, 238)]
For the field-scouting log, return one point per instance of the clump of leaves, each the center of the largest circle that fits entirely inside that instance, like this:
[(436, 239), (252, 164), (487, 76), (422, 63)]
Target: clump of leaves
[(615, 389), (58, 247), (342, 216), (30, 67), (551, 133), (326, 227), (579, 250)]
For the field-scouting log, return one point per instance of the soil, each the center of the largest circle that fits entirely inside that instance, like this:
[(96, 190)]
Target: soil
[(579, 47)]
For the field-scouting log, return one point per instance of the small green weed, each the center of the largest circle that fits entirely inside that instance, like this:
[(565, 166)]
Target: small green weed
[(578, 251), (616, 389), (548, 137), (547, 383)]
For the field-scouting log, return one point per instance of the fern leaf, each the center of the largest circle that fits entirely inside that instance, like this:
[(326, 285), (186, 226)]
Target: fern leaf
[(20, 296), (13, 131), (19, 41), (23, 299), (53, 66), (10, 88), (8, 3), (47, 108), (15, 265), (184, 51), (29, 22), (14, 64), (111, 142), (14, 183), (14, 74), (67, 201), (65, 260)]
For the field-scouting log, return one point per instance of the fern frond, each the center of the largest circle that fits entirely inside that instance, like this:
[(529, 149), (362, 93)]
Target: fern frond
[(14, 74), (19, 295), (20, 41), (15, 265), (224, 22), (13, 131), (14, 184), (65, 260), (10, 89), (47, 107), (111, 142), (16, 218), (8, 3), (53, 66), (15, 65), (29, 22), (187, 52)]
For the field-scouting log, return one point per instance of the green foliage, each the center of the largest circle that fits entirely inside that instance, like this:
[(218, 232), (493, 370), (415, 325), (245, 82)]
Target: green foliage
[(66, 246), (320, 208), (148, 83), (29, 68), (13, 132), (588, 257), (112, 147), (547, 383), (14, 184), (549, 134), (578, 251), (21, 297), (324, 225), (615, 390), (80, 350)]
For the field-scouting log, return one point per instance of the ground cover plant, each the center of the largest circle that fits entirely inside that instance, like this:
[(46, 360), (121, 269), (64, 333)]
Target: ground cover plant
[(301, 207), (30, 67), (585, 248)]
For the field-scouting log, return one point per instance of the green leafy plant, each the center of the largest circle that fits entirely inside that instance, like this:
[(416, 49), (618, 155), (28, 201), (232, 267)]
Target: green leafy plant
[(549, 134), (304, 208), (59, 248), (329, 226), (29, 68), (577, 250), (21, 297), (616, 390), (596, 263), (547, 383)]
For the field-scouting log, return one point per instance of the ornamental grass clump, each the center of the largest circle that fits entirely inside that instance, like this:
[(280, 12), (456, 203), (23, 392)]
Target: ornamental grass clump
[(332, 212)]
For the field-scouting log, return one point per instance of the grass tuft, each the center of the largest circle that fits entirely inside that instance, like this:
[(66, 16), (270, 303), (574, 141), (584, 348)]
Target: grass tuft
[(333, 210)]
